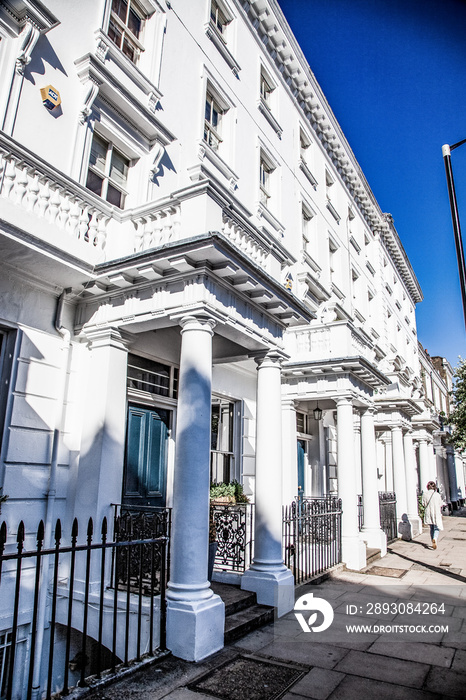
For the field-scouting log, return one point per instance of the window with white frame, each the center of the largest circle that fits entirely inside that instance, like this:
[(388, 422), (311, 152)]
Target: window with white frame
[(304, 144), (307, 216), (212, 121), (219, 18), (333, 260), (265, 179), (107, 174), (266, 88), (125, 27), (5, 647), (152, 377), (223, 457)]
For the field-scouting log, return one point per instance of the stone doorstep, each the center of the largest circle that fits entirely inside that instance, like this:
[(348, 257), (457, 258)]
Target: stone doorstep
[(242, 612)]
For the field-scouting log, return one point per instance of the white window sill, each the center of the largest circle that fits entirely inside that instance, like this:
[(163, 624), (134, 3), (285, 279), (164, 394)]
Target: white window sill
[(220, 44), (266, 111)]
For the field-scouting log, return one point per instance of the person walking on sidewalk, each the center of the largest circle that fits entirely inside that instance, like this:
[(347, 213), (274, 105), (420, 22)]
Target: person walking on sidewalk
[(432, 502)]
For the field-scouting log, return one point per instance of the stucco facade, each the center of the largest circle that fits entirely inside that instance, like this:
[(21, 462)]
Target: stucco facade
[(186, 235)]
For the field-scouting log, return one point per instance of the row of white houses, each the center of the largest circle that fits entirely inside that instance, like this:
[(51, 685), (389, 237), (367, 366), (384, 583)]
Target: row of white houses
[(192, 263)]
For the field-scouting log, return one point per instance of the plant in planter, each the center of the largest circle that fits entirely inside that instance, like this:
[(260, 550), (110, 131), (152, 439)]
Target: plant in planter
[(222, 493), (228, 493)]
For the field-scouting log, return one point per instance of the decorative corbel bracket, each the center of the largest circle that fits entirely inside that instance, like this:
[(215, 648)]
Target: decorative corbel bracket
[(91, 94), (29, 37), (159, 151)]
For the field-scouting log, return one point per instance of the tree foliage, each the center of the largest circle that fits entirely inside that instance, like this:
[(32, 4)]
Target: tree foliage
[(458, 414)]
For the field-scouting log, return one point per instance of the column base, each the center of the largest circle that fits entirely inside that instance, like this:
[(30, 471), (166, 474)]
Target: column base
[(353, 552), (195, 629), (413, 522), (375, 539), (274, 588)]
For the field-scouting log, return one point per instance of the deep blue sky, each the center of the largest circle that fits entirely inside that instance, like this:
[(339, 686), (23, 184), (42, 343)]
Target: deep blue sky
[(394, 73)]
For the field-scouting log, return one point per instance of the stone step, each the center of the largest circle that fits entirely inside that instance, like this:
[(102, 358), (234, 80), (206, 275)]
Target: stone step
[(372, 555), (234, 598), (240, 623)]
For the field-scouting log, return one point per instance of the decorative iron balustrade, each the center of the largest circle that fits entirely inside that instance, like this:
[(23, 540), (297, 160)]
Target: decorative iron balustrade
[(312, 536), (234, 526), (65, 590), (387, 508)]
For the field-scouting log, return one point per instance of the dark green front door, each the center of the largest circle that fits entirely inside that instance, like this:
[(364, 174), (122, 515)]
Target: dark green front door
[(301, 454), (144, 481)]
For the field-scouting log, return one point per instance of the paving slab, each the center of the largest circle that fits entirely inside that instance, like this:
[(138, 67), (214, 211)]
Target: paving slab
[(459, 661), (310, 653), (382, 668), (415, 651), (354, 688), (447, 682), (318, 684)]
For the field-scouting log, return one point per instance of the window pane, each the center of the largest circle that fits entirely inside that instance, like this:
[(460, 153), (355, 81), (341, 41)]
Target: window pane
[(148, 375), (114, 196), (119, 168), (134, 23), (114, 34), (120, 8), (94, 182), (129, 50), (208, 109), (98, 153)]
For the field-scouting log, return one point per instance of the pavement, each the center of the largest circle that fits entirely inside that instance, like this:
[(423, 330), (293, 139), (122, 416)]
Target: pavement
[(398, 633)]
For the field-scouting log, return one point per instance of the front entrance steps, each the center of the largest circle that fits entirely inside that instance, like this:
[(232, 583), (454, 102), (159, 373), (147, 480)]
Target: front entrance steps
[(372, 555), (242, 612)]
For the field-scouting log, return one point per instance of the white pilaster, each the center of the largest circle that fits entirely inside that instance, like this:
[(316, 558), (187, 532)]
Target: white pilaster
[(195, 616), (371, 532), (411, 484), (267, 576), (290, 452), (399, 478), (103, 438), (425, 463), (353, 548)]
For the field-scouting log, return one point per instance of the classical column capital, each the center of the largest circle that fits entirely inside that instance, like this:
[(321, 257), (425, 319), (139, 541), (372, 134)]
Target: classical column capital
[(344, 401), (109, 337), (270, 358), (371, 409), (197, 323)]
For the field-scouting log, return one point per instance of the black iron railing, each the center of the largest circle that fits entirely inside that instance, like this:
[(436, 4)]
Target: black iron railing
[(136, 523), (360, 512), (387, 508), (234, 526), (312, 536), (69, 590)]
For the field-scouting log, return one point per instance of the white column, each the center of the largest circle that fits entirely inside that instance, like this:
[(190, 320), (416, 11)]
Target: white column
[(267, 576), (195, 616), (353, 548), (425, 464), (399, 479), (290, 452), (357, 455), (411, 484), (371, 531), (460, 475), (451, 469)]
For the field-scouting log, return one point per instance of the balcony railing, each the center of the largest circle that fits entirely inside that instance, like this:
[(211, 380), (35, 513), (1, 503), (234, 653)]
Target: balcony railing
[(30, 183)]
